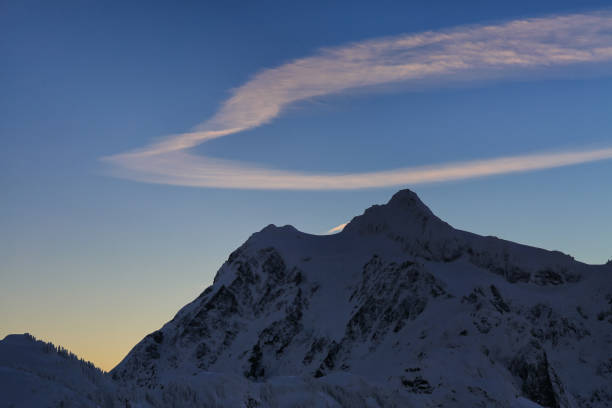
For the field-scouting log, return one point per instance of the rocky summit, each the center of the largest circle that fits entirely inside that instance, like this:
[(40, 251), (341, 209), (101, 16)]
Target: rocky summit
[(399, 309)]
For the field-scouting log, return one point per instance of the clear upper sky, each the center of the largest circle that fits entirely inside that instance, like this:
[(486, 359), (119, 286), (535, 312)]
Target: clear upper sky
[(94, 262)]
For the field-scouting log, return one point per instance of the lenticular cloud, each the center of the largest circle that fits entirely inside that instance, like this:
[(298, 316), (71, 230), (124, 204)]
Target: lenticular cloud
[(499, 50)]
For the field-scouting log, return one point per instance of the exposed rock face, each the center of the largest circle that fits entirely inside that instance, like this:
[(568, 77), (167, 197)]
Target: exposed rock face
[(531, 366), (400, 309)]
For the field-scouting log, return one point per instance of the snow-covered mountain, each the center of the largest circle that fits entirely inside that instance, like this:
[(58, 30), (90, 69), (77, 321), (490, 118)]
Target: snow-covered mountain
[(38, 374), (398, 309)]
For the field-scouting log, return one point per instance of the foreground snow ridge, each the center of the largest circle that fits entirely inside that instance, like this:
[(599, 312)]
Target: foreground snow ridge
[(398, 310)]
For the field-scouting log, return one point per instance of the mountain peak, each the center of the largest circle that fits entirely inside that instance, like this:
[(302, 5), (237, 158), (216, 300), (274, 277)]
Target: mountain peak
[(25, 338), (404, 212), (284, 228), (408, 200), (271, 231)]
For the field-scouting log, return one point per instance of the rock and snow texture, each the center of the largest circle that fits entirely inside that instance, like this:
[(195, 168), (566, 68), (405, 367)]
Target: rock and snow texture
[(399, 309)]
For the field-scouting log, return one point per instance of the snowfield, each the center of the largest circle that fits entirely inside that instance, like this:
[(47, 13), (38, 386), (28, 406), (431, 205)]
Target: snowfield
[(398, 310)]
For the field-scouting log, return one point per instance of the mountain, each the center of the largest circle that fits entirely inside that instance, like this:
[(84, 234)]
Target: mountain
[(38, 374), (398, 309)]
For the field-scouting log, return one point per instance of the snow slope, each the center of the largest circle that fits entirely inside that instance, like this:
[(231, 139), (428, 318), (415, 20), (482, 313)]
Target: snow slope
[(399, 309), (37, 374)]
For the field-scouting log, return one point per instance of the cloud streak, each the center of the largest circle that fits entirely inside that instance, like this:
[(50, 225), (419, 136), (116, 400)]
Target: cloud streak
[(183, 169), (461, 54), (337, 228)]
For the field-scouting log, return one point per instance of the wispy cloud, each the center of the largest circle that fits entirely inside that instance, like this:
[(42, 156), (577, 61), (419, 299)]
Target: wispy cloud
[(463, 53), (183, 169), (337, 228)]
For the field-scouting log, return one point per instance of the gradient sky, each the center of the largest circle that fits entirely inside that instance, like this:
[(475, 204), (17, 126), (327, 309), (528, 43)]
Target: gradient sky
[(95, 262)]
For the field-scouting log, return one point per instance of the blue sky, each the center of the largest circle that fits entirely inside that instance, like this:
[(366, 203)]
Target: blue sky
[(95, 262)]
